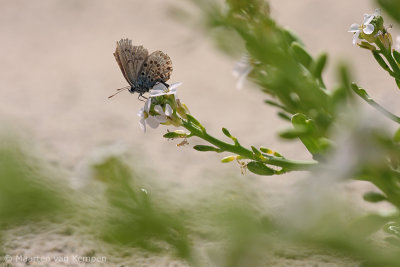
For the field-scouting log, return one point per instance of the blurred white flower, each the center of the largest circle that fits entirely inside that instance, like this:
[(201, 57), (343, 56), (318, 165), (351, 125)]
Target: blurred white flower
[(241, 70), (145, 117), (160, 89), (366, 27)]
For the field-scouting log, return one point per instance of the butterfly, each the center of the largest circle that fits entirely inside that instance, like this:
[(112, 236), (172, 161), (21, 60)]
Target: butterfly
[(141, 70)]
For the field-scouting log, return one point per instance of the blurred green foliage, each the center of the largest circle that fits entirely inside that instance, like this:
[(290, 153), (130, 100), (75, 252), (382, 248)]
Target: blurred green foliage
[(392, 7), (26, 193), (133, 218)]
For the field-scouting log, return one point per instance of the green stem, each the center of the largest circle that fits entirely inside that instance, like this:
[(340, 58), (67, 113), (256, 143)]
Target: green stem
[(288, 165), (388, 55), (364, 95)]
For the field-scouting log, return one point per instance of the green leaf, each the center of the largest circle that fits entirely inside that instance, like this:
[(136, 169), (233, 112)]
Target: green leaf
[(319, 65), (284, 116), (205, 148), (396, 56), (256, 151), (359, 91), (294, 133), (175, 135), (397, 83), (381, 61), (226, 132), (396, 136), (302, 55), (259, 168), (392, 7), (373, 197), (291, 37), (300, 121), (193, 120)]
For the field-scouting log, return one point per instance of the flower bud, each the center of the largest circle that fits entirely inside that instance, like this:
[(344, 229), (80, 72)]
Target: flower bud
[(228, 159), (367, 45)]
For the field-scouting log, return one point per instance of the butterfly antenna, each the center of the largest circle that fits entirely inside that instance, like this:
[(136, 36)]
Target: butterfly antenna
[(119, 91)]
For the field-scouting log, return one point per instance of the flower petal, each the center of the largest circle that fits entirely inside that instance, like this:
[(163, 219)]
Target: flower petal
[(168, 110), (242, 78), (161, 118), (368, 19), (159, 110), (141, 113), (173, 86), (354, 27), (152, 122), (377, 12), (369, 29), (159, 87), (142, 124), (355, 37), (147, 105)]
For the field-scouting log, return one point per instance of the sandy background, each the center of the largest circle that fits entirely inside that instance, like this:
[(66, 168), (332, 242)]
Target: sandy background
[(57, 70)]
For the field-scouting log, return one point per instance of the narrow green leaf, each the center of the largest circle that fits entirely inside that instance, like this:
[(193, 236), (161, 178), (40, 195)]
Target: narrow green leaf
[(380, 60), (204, 148), (256, 151), (319, 65), (291, 37), (194, 121), (302, 55), (397, 83), (294, 133), (300, 121), (175, 135), (396, 56), (373, 197)]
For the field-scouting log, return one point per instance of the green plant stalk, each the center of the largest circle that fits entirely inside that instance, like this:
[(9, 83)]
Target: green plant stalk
[(381, 109), (388, 55), (288, 165), (374, 104)]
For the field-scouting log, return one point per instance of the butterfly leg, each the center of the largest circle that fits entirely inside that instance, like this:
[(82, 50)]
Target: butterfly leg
[(141, 96)]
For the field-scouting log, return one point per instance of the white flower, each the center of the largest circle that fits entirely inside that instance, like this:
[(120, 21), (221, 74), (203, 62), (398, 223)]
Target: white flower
[(153, 121), (241, 70), (145, 117), (163, 116), (366, 27), (160, 89)]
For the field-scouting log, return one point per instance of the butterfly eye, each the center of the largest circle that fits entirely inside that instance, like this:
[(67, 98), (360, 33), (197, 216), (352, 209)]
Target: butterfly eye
[(142, 73)]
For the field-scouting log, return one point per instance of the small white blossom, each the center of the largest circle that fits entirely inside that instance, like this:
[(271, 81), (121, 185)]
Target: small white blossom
[(241, 70), (160, 89), (366, 26), (163, 116), (146, 118)]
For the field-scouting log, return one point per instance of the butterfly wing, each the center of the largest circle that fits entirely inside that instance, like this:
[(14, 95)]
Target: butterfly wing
[(130, 59), (158, 65)]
